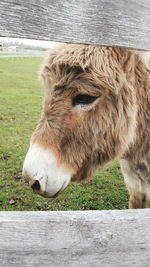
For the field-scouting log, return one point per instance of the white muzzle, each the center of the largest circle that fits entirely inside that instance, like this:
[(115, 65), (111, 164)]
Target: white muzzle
[(43, 173)]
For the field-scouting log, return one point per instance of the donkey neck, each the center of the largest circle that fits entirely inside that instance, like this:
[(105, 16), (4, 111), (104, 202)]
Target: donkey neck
[(140, 79)]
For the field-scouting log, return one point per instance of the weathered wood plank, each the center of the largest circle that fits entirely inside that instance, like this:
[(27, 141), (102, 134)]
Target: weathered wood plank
[(105, 22), (76, 238)]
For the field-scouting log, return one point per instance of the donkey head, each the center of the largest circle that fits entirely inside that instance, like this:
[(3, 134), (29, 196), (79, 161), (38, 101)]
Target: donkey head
[(88, 117)]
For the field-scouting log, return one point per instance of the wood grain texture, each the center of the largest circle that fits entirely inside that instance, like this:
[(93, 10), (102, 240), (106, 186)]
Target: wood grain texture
[(105, 22), (75, 238)]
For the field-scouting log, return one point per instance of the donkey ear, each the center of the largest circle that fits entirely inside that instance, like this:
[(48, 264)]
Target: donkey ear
[(63, 67), (77, 69), (71, 63)]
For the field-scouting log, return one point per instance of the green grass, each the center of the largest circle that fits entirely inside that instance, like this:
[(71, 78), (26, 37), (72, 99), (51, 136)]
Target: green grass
[(20, 106)]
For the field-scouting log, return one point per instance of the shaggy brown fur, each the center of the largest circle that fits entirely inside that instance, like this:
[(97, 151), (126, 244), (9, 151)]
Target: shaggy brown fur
[(115, 126)]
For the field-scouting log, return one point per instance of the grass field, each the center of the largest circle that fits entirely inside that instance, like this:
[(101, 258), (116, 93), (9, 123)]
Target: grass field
[(20, 105)]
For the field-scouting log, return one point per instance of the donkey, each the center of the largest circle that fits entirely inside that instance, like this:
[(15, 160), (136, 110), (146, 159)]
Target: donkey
[(96, 110)]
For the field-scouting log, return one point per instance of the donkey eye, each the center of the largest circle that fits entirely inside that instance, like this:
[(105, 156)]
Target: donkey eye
[(83, 99)]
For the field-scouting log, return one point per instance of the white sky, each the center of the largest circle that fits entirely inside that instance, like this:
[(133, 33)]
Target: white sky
[(45, 44)]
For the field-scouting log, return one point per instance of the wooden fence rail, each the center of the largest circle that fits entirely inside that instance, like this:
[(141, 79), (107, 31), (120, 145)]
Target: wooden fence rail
[(75, 238), (106, 22)]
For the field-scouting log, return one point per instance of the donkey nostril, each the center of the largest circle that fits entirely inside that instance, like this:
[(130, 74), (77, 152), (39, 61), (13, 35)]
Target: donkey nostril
[(35, 185)]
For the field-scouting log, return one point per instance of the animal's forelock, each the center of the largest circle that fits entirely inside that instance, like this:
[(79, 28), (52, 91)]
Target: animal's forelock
[(68, 60), (98, 67)]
